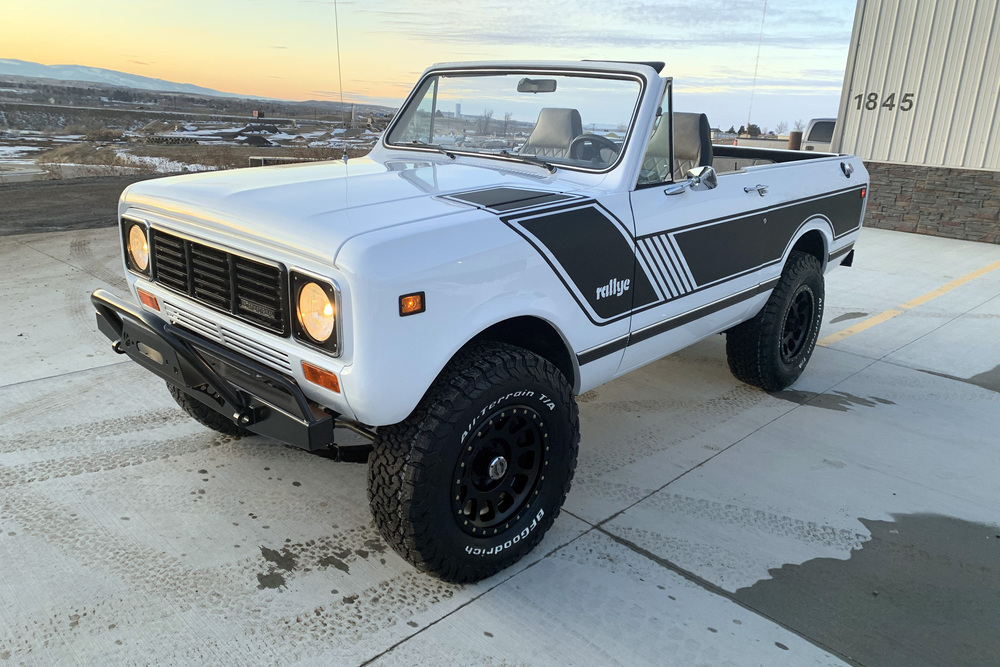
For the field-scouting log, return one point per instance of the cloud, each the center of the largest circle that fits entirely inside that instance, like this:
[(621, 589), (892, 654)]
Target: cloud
[(633, 24), (277, 47)]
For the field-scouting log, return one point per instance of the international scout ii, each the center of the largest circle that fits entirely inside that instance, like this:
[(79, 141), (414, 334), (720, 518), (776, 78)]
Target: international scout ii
[(522, 233)]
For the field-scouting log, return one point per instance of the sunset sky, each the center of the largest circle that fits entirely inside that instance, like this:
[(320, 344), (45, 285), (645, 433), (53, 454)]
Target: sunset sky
[(287, 49)]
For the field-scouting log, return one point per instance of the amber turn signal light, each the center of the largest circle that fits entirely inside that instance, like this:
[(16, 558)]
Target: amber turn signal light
[(411, 304), (323, 378), (148, 299)]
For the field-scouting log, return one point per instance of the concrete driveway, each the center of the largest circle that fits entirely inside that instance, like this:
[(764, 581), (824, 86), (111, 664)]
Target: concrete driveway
[(851, 519)]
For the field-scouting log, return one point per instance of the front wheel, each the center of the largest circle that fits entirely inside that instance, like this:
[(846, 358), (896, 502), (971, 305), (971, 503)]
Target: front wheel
[(469, 483), (771, 350), (205, 415)]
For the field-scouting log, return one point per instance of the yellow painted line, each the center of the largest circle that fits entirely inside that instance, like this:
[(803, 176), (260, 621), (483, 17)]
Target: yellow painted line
[(902, 308)]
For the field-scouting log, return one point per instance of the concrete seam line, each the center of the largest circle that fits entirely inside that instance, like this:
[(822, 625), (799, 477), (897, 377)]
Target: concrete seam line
[(902, 308), (476, 598), (66, 374)]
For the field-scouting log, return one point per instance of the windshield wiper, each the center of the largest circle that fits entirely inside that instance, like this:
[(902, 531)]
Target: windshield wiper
[(530, 159), (433, 147)]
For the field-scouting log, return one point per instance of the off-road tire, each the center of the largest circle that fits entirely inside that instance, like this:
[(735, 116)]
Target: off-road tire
[(771, 350), (490, 397), (204, 415)]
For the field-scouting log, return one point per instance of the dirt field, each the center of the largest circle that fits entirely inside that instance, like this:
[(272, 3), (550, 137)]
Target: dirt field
[(220, 156), (48, 206), (87, 203)]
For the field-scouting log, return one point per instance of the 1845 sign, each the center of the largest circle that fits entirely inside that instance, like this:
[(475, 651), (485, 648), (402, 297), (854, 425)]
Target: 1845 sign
[(870, 102)]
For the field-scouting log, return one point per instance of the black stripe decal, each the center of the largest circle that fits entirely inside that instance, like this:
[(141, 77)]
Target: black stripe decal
[(508, 200), (636, 274), (662, 269), (649, 266), (660, 266), (717, 250), (675, 264), (840, 253), (768, 209), (595, 353), (566, 236), (677, 250), (690, 316)]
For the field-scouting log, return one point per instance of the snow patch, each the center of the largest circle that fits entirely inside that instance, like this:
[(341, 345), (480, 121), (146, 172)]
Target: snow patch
[(160, 165)]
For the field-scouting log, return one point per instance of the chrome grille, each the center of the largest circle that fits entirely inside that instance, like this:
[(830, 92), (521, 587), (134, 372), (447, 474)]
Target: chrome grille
[(243, 287), (227, 337)]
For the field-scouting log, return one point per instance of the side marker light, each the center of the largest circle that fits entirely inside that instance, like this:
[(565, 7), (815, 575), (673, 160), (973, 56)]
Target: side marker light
[(148, 299), (864, 192), (323, 378), (411, 304)]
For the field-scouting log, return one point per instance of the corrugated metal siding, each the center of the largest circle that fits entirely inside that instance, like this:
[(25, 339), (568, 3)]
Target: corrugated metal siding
[(947, 54)]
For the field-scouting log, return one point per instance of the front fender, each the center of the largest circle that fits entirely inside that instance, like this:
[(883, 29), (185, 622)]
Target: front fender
[(474, 274)]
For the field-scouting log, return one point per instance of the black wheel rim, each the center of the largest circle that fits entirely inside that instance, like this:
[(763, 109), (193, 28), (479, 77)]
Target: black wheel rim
[(798, 322), (498, 471)]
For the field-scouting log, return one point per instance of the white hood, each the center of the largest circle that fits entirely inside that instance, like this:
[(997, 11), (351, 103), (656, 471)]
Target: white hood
[(313, 208)]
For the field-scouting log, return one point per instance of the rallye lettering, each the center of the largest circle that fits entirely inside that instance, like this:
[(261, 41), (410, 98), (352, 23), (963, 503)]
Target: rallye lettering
[(614, 288)]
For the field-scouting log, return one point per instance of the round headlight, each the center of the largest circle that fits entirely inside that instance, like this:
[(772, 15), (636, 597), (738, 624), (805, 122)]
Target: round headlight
[(138, 248), (315, 312)]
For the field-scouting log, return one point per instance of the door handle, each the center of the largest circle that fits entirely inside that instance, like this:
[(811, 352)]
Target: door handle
[(759, 189)]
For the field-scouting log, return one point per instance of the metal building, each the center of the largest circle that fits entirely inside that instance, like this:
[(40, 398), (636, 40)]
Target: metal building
[(922, 90)]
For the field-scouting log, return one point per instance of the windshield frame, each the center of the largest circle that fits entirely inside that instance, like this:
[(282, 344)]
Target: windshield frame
[(486, 70)]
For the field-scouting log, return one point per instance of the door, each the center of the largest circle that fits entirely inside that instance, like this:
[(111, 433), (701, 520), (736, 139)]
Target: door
[(702, 251)]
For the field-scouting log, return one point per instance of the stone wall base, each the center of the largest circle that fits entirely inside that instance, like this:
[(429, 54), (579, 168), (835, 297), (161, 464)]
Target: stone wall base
[(939, 201)]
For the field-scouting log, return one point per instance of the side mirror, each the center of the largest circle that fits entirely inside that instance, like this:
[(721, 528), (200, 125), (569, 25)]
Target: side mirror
[(699, 178), (702, 178)]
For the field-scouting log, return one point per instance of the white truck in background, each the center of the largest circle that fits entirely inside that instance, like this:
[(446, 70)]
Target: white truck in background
[(819, 135)]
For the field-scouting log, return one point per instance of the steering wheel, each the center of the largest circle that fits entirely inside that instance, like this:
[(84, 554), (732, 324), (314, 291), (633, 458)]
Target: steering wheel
[(591, 146)]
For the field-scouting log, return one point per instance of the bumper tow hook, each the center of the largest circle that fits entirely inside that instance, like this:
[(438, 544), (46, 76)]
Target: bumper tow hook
[(245, 417)]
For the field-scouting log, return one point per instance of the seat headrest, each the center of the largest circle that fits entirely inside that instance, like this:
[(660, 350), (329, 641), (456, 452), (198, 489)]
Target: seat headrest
[(692, 138), (556, 128)]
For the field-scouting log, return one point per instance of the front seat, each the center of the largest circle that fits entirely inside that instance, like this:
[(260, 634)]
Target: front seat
[(554, 132), (692, 143)]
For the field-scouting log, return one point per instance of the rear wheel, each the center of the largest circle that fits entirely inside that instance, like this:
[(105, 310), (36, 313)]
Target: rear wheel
[(771, 350), (469, 483)]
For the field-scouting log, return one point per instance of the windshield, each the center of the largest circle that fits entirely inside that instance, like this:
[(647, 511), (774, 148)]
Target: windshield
[(579, 120)]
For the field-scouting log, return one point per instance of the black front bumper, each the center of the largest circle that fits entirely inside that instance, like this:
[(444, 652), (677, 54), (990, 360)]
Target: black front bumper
[(251, 394)]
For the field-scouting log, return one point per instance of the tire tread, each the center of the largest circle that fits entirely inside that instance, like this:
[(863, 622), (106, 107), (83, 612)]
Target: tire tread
[(401, 512), (748, 345)]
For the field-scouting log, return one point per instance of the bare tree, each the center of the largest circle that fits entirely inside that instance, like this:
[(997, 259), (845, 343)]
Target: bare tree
[(780, 128), (506, 120), (799, 125), (483, 124)]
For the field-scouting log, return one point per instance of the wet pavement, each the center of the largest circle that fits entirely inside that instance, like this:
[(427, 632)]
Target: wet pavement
[(850, 519)]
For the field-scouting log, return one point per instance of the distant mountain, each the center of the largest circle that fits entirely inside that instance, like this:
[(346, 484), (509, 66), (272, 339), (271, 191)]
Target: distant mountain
[(106, 76)]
